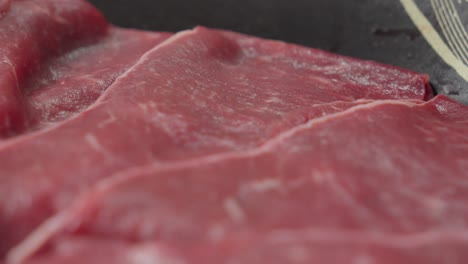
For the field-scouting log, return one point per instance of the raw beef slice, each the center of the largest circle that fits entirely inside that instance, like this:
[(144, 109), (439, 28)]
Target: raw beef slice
[(72, 79), (200, 92), (30, 32), (393, 194), (68, 84)]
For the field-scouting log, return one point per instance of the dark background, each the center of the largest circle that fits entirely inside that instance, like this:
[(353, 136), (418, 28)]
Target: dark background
[(368, 29)]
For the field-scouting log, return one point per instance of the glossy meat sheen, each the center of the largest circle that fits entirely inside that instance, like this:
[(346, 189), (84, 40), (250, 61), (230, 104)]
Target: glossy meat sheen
[(31, 31), (200, 92), (307, 195)]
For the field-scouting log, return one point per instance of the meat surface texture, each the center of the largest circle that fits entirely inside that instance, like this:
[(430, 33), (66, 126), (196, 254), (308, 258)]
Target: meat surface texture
[(308, 189), (71, 82), (196, 94), (32, 31), (209, 146)]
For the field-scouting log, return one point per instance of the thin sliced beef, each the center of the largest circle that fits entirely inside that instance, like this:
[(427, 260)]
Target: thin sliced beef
[(73, 81), (31, 31), (200, 92), (380, 182)]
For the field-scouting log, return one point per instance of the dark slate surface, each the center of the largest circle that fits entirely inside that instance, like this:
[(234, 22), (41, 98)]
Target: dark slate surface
[(368, 29)]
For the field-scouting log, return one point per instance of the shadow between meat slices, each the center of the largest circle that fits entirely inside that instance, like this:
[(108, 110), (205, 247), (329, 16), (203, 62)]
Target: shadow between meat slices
[(379, 194), (199, 93)]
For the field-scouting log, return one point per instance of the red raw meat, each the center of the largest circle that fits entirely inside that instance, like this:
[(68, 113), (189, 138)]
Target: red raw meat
[(70, 83), (32, 31), (67, 84), (282, 247), (307, 195), (200, 92), (138, 152)]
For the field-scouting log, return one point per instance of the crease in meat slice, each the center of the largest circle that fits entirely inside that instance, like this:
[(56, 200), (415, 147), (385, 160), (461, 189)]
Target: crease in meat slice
[(199, 93), (31, 32), (86, 204)]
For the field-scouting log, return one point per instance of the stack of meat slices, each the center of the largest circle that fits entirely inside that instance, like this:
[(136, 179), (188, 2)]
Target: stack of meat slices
[(207, 146)]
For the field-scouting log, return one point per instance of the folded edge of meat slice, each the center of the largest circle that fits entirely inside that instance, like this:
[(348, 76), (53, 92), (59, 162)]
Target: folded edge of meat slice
[(198, 93), (30, 32), (312, 179)]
